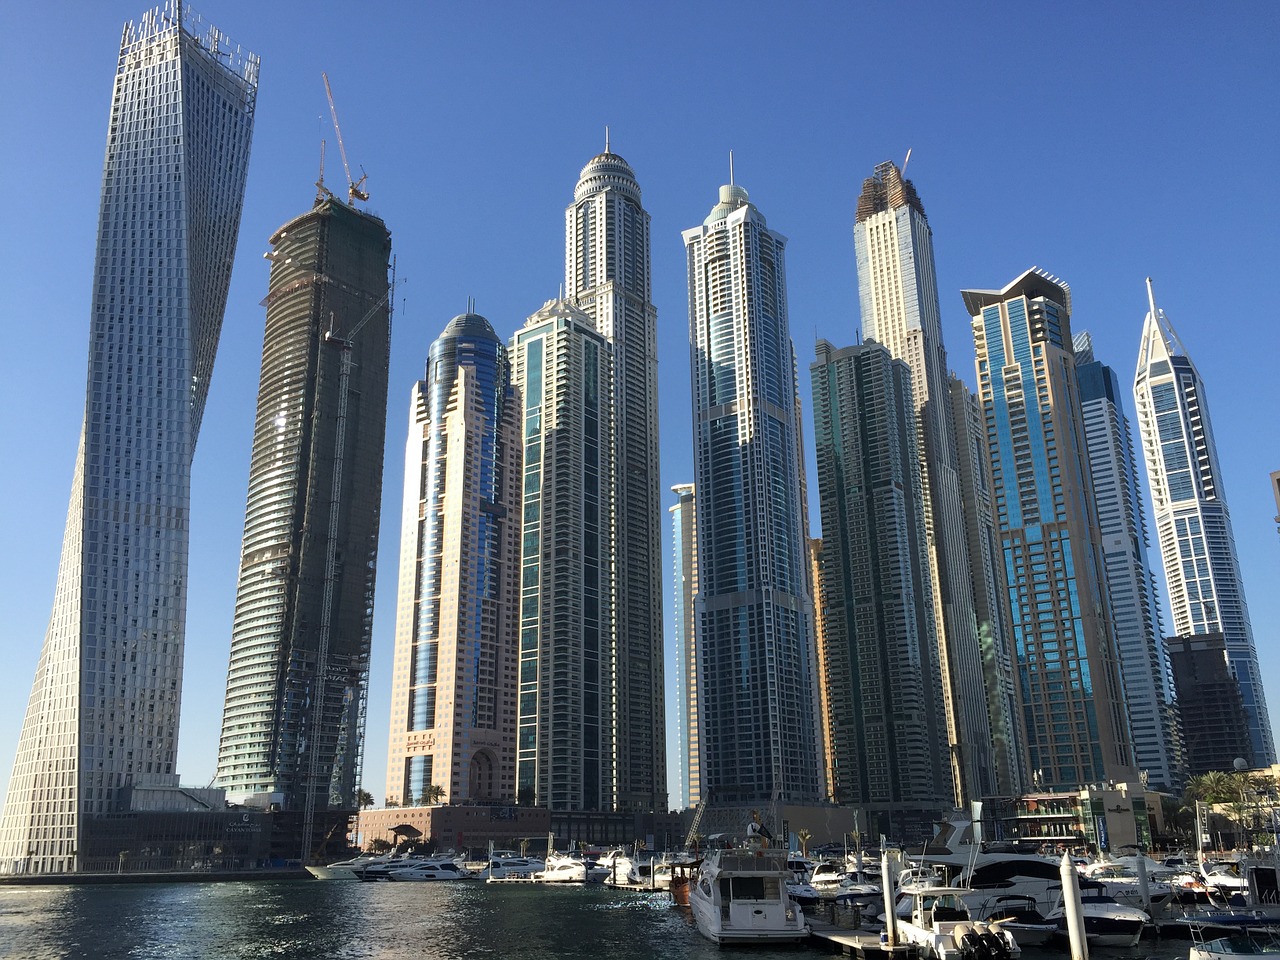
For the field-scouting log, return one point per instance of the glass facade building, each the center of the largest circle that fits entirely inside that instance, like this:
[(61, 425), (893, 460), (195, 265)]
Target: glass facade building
[(1193, 524), (293, 719), (757, 691), (1131, 584), (881, 686), (990, 592), (607, 259), (898, 294), (687, 790), (453, 698), (1064, 645), (104, 707), (567, 709)]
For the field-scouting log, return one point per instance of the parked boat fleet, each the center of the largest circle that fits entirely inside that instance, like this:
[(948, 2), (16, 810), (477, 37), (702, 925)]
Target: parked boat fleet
[(973, 904)]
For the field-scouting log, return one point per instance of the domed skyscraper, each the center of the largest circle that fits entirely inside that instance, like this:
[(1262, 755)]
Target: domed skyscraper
[(607, 257), (453, 692)]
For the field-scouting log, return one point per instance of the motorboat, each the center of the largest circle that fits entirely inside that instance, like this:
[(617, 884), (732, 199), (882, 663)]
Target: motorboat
[(941, 928), (803, 893), (827, 874), (1123, 881), (559, 868), (1106, 922), (740, 897), (506, 869), (426, 870), (1242, 944), (1020, 916)]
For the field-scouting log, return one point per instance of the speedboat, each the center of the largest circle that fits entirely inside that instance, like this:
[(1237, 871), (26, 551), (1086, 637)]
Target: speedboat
[(1106, 922), (803, 893), (1243, 944), (941, 929), (1018, 915), (431, 870), (740, 897), (827, 875)]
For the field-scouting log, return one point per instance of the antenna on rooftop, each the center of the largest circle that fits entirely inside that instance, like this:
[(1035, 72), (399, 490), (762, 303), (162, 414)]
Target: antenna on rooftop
[(606, 138), (731, 168)]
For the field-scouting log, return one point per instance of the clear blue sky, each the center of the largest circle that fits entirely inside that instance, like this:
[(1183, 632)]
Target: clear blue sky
[(1103, 142)]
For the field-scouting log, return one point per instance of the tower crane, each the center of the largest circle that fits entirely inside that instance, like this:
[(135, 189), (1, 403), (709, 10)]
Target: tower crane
[(354, 191)]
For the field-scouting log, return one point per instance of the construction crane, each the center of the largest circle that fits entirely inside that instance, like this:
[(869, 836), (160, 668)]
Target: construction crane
[(354, 191)]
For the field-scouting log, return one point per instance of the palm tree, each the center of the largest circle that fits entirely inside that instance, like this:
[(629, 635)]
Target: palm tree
[(364, 799)]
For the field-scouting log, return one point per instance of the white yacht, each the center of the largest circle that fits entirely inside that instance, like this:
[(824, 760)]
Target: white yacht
[(511, 869), (426, 870), (941, 928), (560, 868), (740, 897), (344, 869)]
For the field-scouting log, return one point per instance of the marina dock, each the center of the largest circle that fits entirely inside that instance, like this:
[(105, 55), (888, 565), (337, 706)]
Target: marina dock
[(858, 943)]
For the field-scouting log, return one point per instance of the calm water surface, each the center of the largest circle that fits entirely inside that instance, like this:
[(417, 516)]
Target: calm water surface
[(387, 921)]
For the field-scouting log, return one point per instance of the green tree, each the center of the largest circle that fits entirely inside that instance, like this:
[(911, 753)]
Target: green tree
[(378, 845), (364, 799), (431, 793)]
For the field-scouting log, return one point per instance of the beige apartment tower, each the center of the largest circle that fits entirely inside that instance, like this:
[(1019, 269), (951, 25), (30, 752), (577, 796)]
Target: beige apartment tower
[(453, 704)]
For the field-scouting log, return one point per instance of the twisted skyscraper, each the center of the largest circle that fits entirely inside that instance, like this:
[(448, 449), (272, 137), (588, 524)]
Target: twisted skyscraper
[(103, 713)]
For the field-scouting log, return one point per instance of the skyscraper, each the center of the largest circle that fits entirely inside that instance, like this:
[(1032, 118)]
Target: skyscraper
[(882, 687), (684, 533), (1065, 648), (757, 699), (103, 713), (1131, 585), (453, 699), (293, 720), (1193, 524), (565, 757), (990, 591), (1209, 703), (898, 293), (607, 273)]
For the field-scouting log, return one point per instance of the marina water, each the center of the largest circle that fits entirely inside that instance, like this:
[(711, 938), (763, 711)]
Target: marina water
[(313, 920)]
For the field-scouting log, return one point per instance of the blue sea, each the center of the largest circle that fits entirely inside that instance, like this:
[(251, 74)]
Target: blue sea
[(305, 919)]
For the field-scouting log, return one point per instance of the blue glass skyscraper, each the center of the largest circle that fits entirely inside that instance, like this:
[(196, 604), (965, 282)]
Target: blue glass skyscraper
[(1064, 646), (1131, 587), (757, 697)]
